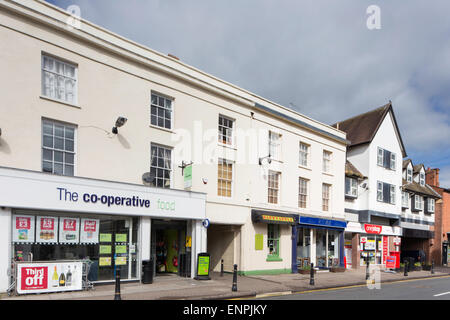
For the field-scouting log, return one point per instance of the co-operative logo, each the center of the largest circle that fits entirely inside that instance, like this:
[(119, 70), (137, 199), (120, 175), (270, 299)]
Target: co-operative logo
[(34, 278)]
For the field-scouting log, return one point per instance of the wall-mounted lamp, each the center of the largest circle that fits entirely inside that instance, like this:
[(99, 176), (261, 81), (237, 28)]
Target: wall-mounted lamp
[(119, 122), (269, 159)]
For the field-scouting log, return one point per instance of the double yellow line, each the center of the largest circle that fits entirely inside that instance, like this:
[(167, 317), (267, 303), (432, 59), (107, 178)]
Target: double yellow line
[(277, 294)]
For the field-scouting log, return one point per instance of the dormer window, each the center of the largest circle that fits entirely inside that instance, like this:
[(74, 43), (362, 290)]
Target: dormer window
[(409, 175), (422, 179)]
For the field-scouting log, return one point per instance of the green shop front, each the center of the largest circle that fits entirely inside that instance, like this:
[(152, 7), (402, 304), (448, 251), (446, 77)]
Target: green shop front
[(52, 219), (319, 241)]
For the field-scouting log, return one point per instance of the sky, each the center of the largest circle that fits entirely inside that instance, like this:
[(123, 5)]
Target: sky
[(317, 57)]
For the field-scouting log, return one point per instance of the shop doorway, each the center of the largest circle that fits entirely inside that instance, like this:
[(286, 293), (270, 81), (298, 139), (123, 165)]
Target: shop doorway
[(168, 247)]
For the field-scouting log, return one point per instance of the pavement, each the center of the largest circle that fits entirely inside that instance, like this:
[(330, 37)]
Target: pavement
[(172, 287)]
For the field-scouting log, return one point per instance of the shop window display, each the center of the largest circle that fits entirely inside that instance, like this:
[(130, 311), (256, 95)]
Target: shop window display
[(304, 247), (110, 242)]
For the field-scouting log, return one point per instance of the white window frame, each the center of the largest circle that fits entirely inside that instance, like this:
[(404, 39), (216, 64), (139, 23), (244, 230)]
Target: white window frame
[(431, 205), (353, 187), (304, 154), (58, 76), (418, 202), (157, 167), (380, 157), (163, 109), (326, 197), (380, 191), (53, 149), (229, 131), (392, 193), (326, 161), (270, 187), (422, 178), (219, 179), (393, 161), (408, 174), (275, 145), (303, 185), (405, 199)]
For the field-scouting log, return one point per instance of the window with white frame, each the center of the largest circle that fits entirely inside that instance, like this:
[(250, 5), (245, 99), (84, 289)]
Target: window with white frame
[(302, 192), (161, 166), (409, 175), (59, 79), (386, 192), (326, 163), (326, 190), (430, 205), (422, 179), (405, 199), (304, 154), (225, 130), (161, 110), (275, 145), (224, 178), (386, 159), (418, 202), (351, 187), (273, 186), (58, 148)]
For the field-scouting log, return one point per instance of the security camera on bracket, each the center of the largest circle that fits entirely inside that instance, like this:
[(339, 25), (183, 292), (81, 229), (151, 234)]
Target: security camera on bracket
[(119, 122)]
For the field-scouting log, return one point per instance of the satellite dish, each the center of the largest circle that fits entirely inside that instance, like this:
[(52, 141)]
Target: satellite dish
[(148, 177)]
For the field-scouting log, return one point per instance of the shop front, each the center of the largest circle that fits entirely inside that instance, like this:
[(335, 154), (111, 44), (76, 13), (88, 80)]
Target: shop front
[(55, 222), (371, 243), (319, 241)]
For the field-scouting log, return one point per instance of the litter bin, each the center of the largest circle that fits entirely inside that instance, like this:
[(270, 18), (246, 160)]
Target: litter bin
[(147, 271)]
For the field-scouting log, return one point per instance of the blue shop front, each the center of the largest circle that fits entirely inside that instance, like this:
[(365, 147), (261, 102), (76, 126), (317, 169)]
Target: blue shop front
[(319, 241)]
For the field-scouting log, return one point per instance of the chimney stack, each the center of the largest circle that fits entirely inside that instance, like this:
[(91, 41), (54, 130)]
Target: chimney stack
[(432, 177)]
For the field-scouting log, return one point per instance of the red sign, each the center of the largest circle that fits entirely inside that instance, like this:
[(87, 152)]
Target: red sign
[(34, 278), (397, 241), (385, 248), (391, 262), (23, 223), (47, 224), (90, 226), (372, 228), (363, 239), (70, 225)]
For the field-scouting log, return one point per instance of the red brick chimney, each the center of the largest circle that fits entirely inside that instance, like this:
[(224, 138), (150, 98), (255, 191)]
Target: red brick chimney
[(432, 177)]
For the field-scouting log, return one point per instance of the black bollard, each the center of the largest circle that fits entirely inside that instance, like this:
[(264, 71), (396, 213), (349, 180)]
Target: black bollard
[(432, 266), (234, 287), (367, 268), (117, 291), (311, 278), (221, 268), (406, 268)]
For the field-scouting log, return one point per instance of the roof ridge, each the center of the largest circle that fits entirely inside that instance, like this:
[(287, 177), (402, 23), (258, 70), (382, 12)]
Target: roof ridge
[(365, 113)]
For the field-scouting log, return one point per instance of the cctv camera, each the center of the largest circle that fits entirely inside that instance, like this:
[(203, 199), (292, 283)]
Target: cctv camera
[(120, 121)]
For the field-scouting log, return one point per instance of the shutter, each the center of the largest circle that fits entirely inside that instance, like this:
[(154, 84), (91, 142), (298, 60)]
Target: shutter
[(387, 159), (425, 205), (386, 192), (347, 186)]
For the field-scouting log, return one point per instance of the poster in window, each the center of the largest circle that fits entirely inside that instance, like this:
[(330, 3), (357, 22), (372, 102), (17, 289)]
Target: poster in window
[(46, 229), (89, 230), (69, 230), (23, 229)]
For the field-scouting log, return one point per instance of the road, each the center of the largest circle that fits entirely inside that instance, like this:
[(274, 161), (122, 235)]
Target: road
[(419, 289)]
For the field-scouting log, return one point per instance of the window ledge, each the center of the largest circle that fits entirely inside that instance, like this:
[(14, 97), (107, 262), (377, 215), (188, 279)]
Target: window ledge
[(351, 197), (161, 128), (60, 101), (303, 167), (229, 146), (328, 174), (269, 258)]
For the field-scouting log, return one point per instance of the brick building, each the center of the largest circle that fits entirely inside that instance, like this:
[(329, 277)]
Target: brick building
[(440, 251)]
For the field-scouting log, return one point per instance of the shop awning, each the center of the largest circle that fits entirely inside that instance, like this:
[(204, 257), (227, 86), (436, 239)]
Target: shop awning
[(415, 233), (259, 216), (322, 223)]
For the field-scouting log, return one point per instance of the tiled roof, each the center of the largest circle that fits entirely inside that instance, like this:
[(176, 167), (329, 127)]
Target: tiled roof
[(362, 128), (351, 171), (415, 187)]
